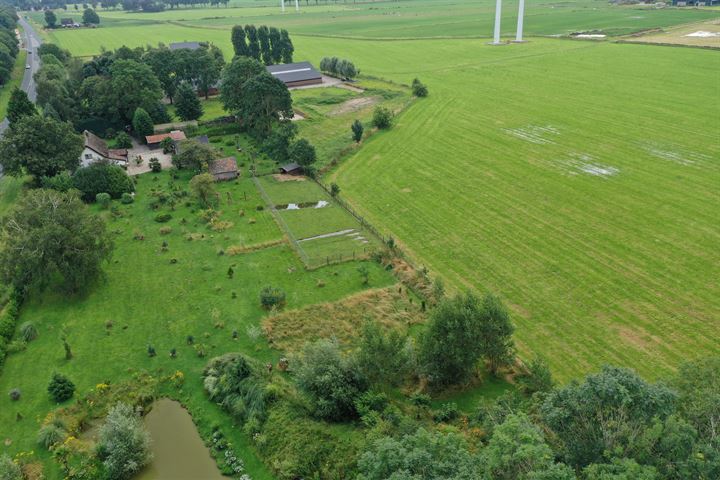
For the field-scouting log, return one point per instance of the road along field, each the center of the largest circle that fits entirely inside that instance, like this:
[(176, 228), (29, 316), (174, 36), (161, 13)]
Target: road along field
[(378, 20), (572, 178)]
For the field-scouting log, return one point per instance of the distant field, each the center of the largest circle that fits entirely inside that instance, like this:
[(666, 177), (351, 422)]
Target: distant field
[(575, 179), (702, 34), (399, 19)]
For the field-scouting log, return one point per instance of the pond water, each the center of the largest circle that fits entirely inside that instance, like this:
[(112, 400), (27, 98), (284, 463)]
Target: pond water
[(179, 452)]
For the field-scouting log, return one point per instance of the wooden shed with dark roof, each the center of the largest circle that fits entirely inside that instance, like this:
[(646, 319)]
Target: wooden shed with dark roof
[(224, 169), (291, 169)]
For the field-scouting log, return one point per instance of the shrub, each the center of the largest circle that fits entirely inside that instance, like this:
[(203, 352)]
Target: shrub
[(14, 394), (102, 177), (28, 332), (231, 382), (382, 118), (124, 444), (168, 145), (103, 199), (50, 435), (446, 413), (331, 380), (163, 217), (62, 182), (272, 297), (165, 230), (126, 199), (60, 388), (9, 470), (419, 89), (155, 166), (334, 189), (122, 140)]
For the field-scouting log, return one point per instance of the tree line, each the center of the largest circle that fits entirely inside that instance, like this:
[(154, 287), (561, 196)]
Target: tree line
[(268, 45), (8, 42), (339, 67)]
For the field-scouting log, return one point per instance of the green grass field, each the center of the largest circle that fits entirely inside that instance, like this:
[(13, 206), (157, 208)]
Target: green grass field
[(401, 19), (148, 300), (15, 81), (571, 178)]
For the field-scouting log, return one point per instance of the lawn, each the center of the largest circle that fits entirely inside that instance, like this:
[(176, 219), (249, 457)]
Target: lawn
[(571, 178), (212, 108), (15, 81), (147, 299)]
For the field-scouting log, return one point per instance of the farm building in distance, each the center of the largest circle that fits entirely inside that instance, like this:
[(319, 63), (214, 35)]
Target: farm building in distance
[(291, 169), (96, 150), (153, 141), (296, 74), (223, 169), (695, 3), (188, 45)]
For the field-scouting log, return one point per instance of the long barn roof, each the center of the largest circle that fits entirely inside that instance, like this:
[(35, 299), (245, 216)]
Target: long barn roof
[(294, 72)]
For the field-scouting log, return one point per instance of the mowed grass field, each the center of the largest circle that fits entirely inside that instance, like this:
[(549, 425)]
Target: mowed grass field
[(574, 179), (377, 20)]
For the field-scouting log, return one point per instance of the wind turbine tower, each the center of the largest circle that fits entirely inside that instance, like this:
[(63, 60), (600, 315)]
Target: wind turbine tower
[(282, 5), (297, 6), (498, 14), (521, 15)]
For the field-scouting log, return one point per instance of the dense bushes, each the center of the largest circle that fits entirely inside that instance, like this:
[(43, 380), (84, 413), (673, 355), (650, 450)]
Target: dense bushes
[(339, 67), (9, 470), (331, 380), (419, 89), (382, 118), (101, 177), (272, 297), (8, 319), (124, 444)]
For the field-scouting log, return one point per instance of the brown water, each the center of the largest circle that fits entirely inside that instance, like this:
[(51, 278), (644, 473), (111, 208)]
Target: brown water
[(179, 452)]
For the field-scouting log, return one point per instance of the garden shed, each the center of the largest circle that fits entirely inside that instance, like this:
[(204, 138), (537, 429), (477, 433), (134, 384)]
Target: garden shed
[(224, 169), (291, 169)]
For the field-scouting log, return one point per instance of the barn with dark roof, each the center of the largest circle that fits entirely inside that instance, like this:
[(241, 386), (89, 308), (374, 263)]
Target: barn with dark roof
[(296, 74)]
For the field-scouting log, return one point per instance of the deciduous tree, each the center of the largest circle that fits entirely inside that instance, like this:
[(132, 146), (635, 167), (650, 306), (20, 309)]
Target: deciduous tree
[(19, 106), (188, 105)]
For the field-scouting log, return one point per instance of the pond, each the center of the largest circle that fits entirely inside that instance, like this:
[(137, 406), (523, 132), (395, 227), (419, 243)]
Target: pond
[(179, 452)]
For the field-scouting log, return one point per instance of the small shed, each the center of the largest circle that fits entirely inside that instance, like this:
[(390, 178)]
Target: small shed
[(291, 169), (67, 22), (224, 169), (153, 141)]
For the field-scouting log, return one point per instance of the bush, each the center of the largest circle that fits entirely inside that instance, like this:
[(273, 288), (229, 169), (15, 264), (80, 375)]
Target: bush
[(126, 199), (163, 217), (446, 413), (124, 444), (9, 470), (60, 388), (103, 199), (102, 177), (165, 230), (331, 381), (155, 166), (14, 394), (419, 89), (123, 140), (28, 332), (382, 118), (272, 297), (50, 435), (62, 182)]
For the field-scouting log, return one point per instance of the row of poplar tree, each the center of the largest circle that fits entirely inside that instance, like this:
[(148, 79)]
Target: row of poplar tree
[(268, 45)]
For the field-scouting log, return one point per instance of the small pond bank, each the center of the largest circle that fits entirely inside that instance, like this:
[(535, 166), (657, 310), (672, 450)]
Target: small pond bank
[(178, 450)]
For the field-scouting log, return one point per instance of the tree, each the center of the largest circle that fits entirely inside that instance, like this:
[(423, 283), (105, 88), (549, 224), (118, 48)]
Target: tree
[(253, 42), (698, 387), (357, 130), (276, 45), (302, 152), (604, 413), (517, 447), (66, 240), (90, 17), (102, 177), (203, 187), (188, 105), (40, 147), (19, 106), (266, 100), (419, 89), (287, 46), (209, 68), (60, 388), (382, 118), (264, 39), (194, 156), (142, 124), (54, 50), (277, 144), (238, 41), (50, 18), (334, 189), (420, 455), (452, 343), (164, 63), (538, 378), (234, 78), (124, 444), (624, 469), (384, 357), (496, 334), (133, 85), (331, 380), (123, 140)]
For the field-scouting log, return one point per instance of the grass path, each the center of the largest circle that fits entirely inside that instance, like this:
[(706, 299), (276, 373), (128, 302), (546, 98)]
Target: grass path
[(15, 81)]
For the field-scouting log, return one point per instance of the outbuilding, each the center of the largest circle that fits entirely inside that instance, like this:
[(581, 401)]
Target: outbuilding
[(291, 169), (296, 74), (96, 150), (187, 45), (153, 141), (223, 169)]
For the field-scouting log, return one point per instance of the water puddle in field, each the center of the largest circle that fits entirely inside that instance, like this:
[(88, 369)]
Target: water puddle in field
[(178, 451), (298, 206), (534, 133)]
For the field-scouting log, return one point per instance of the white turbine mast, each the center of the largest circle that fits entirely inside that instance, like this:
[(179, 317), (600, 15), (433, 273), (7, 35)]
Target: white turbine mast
[(282, 5), (297, 6), (498, 16)]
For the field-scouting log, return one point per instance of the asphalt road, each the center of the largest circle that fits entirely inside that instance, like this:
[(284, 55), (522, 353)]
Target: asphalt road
[(31, 41)]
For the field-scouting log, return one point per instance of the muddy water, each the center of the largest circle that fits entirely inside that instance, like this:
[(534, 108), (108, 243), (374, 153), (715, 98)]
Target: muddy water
[(179, 452)]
